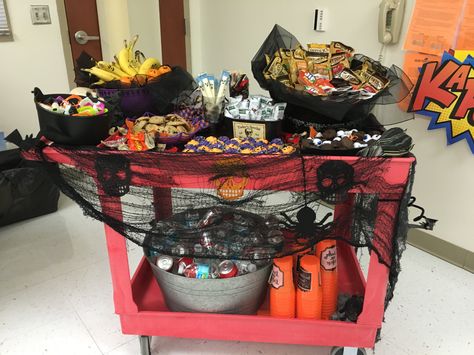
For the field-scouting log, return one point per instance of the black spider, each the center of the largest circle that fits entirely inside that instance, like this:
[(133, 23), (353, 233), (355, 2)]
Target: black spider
[(306, 224)]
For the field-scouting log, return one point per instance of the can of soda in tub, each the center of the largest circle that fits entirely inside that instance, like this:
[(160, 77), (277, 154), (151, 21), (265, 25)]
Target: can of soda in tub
[(197, 271), (165, 262), (227, 269), (245, 267), (183, 264)]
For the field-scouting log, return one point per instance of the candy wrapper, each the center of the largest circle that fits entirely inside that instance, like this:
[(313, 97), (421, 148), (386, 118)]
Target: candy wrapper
[(239, 85), (257, 108), (237, 146)]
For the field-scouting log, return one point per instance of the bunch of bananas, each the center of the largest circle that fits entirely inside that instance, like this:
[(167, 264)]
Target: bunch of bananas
[(127, 65)]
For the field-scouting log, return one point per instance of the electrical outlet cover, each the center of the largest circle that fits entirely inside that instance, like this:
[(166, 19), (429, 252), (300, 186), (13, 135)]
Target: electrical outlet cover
[(40, 15)]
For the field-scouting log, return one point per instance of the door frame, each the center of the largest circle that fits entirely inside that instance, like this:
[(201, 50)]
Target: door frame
[(69, 61), (64, 32)]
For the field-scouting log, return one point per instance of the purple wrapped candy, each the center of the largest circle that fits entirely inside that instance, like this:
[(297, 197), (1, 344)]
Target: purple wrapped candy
[(246, 146), (272, 150), (231, 151), (251, 140), (277, 141), (234, 141), (224, 139)]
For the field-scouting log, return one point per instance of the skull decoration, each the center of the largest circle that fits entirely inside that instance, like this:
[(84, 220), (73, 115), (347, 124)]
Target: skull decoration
[(231, 179), (335, 179), (113, 173)]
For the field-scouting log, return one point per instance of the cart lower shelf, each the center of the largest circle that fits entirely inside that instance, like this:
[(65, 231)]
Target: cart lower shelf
[(154, 319)]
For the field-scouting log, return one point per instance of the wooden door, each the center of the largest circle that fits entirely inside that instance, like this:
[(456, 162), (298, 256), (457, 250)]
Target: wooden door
[(82, 16), (173, 32)]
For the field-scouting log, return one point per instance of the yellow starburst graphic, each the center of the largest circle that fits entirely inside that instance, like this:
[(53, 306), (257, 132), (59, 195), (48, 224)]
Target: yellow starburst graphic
[(458, 126)]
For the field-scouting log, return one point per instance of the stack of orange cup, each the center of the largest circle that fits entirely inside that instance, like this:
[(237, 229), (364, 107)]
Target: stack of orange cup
[(309, 296), (326, 251), (282, 290)]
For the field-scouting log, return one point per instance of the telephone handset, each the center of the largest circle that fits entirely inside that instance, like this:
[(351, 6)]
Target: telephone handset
[(391, 14)]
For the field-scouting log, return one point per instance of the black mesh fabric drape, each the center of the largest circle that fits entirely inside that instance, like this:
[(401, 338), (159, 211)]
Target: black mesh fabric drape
[(238, 206)]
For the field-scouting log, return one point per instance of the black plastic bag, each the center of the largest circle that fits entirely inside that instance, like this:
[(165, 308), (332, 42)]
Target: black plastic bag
[(25, 189)]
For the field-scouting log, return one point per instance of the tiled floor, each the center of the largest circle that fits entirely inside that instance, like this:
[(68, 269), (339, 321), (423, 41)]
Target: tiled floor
[(56, 298)]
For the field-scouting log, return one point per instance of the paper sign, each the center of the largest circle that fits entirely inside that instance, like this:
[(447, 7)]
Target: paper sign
[(466, 30), (433, 26), (414, 61)]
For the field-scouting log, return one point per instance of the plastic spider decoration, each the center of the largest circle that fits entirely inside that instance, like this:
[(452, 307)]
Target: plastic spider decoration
[(305, 224)]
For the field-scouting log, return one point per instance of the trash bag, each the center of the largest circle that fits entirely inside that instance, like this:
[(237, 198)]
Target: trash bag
[(25, 189), (332, 108)]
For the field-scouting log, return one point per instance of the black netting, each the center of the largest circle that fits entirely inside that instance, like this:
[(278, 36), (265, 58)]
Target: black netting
[(243, 207), (335, 108)]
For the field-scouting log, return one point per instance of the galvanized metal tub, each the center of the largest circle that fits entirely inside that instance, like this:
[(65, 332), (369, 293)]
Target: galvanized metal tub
[(237, 295)]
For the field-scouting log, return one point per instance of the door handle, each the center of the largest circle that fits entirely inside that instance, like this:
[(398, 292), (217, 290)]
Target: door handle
[(82, 37)]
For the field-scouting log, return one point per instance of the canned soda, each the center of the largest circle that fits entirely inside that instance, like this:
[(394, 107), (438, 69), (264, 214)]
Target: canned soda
[(206, 240), (197, 271), (191, 218), (210, 217), (236, 247), (183, 263), (246, 267), (165, 262), (198, 249), (241, 230), (179, 249), (240, 220), (221, 249), (227, 269), (276, 241)]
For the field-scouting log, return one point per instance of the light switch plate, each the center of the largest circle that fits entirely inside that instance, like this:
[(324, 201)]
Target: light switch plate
[(40, 15)]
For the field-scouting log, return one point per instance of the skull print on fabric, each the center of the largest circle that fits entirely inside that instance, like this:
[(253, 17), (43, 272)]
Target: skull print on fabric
[(335, 179), (114, 174)]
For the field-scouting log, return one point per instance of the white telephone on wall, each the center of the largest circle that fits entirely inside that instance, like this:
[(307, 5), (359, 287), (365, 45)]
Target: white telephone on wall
[(391, 15)]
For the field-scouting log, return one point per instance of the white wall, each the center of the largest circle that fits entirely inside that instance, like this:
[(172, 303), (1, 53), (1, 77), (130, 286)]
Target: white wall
[(226, 34), (144, 20), (34, 58), (113, 25)]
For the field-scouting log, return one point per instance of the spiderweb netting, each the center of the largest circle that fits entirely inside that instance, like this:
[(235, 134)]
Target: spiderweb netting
[(238, 206)]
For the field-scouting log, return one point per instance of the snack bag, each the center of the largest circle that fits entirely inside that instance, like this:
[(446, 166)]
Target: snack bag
[(318, 60), (351, 77), (297, 63)]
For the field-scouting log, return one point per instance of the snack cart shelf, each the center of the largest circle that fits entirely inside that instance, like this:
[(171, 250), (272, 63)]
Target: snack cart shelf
[(140, 305)]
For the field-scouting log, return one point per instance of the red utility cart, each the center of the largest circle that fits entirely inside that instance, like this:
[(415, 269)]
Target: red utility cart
[(142, 310)]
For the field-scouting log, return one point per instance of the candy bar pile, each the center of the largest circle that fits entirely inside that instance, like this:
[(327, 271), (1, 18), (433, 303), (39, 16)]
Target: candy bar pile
[(257, 108), (330, 139), (248, 145), (74, 105), (326, 69)]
